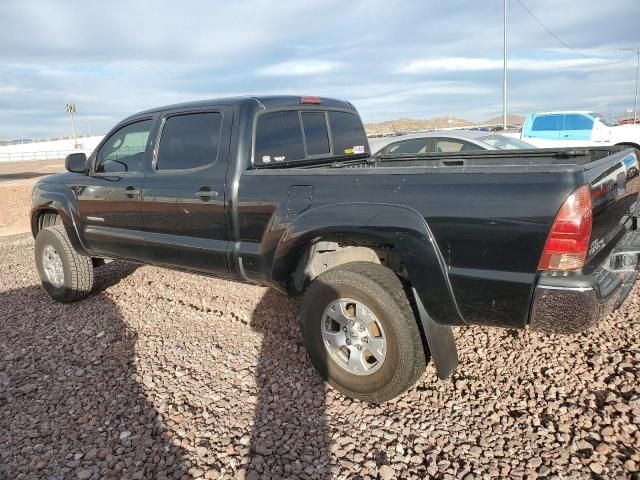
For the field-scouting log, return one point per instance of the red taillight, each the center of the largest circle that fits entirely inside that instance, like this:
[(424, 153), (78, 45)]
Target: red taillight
[(315, 100), (568, 241)]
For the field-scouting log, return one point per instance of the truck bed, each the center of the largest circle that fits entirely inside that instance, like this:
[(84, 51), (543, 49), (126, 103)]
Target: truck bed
[(489, 212), (559, 159)]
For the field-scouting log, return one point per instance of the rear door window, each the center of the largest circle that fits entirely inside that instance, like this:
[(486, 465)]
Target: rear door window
[(189, 141), (315, 133), (278, 137), (577, 122), (348, 134)]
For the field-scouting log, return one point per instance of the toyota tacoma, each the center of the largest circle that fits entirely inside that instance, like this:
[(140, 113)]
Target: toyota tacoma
[(386, 253)]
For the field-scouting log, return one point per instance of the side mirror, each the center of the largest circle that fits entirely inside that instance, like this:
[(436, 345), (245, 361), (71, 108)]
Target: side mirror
[(76, 162)]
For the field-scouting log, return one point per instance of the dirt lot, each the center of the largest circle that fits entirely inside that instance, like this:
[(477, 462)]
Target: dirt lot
[(16, 182), (161, 374)]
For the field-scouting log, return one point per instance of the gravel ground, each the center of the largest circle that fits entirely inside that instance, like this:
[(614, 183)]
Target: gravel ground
[(161, 374)]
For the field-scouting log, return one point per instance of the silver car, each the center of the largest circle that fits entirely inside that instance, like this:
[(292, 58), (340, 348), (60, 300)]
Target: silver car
[(449, 141)]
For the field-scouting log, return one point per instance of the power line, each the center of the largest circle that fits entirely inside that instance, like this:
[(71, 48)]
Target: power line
[(550, 32), (565, 44)]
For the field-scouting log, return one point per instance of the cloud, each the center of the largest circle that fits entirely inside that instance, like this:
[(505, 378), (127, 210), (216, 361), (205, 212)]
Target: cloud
[(299, 67), (412, 58), (467, 64)]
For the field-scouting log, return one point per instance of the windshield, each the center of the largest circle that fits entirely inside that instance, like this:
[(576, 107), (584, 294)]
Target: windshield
[(605, 120), (502, 142)]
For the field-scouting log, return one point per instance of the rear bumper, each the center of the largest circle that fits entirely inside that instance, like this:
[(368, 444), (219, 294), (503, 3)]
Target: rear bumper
[(571, 304)]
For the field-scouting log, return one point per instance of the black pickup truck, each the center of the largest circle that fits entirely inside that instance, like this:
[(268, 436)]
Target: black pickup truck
[(387, 253)]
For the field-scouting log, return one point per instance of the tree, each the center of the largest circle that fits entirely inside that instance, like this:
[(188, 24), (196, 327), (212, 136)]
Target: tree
[(70, 108)]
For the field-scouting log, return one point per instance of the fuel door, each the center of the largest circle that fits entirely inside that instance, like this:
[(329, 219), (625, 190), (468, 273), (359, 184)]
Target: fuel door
[(298, 200)]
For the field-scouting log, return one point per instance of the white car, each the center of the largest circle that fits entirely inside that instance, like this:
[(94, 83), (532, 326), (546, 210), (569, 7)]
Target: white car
[(445, 141), (577, 128)]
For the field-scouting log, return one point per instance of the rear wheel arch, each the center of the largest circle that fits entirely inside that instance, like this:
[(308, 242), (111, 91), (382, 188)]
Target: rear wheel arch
[(629, 144), (380, 227), (321, 254)]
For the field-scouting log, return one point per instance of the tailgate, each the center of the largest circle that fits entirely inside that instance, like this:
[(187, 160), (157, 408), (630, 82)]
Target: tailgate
[(615, 185)]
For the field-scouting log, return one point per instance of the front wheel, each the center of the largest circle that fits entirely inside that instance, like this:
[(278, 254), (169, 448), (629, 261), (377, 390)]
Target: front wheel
[(361, 333), (66, 275)]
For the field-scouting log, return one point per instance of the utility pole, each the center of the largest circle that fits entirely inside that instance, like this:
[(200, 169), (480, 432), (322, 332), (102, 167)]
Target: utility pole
[(70, 108), (635, 107), (504, 73)]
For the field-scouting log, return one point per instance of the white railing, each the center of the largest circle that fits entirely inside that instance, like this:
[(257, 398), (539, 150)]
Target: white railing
[(42, 155)]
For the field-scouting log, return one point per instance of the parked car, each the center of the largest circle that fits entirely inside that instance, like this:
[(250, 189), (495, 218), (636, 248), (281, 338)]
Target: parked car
[(387, 254), (445, 142), (577, 128)]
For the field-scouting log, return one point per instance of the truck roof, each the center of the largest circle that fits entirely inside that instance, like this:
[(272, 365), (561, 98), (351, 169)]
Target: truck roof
[(264, 101)]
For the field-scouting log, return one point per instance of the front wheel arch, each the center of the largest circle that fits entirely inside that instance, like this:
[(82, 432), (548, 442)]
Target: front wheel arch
[(46, 218), (55, 210)]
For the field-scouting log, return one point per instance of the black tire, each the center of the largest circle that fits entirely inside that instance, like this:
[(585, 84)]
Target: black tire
[(379, 290), (77, 268)]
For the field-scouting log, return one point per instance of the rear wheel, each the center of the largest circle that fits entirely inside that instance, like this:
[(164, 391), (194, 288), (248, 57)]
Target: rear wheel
[(66, 275), (361, 333)]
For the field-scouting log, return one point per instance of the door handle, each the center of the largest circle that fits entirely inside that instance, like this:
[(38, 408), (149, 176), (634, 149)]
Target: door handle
[(132, 191), (205, 193)]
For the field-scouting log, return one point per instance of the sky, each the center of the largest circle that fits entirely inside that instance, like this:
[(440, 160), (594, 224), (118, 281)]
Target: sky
[(391, 59)]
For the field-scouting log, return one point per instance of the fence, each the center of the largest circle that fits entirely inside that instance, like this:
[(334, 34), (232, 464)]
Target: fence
[(41, 155)]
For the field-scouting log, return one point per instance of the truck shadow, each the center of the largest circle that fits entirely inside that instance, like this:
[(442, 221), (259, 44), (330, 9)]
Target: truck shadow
[(290, 435), (70, 404), (20, 176)]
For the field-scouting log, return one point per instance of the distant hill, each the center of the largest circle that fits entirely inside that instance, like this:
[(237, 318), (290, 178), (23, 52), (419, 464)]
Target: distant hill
[(412, 124), (511, 120)]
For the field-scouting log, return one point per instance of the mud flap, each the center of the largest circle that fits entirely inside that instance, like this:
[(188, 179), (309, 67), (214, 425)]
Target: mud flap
[(442, 345)]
